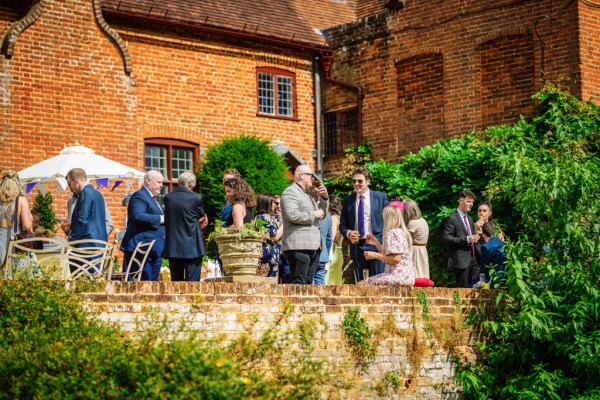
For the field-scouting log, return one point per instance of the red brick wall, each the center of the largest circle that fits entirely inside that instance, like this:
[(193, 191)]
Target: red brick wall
[(462, 32), (66, 83), (507, 79), (420, 101), (589, 50)]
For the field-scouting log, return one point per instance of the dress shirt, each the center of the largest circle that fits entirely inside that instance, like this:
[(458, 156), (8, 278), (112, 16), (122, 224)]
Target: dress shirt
[(367, 206)]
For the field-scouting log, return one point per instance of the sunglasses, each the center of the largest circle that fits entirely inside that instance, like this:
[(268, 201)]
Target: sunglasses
[(357, 180), (276, 202)]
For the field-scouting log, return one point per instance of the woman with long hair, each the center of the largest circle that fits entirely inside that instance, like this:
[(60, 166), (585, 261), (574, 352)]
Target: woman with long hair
[(485, 214), (419, 232), (396, 251), (242, 199), (336, 259), (11, 192), (265, 211)]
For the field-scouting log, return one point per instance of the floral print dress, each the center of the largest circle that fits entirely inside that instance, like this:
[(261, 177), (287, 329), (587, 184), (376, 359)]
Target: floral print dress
[(401, 274), (269, 261)]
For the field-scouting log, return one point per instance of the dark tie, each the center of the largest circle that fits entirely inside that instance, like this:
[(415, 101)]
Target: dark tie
[(469, 233), (361, 216)]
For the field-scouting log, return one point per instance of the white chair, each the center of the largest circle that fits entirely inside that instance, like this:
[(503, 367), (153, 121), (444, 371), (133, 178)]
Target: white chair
[(46, 261), (83, 260), (138, 259)]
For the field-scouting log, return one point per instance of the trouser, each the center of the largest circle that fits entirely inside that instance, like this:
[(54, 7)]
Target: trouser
[(150, 270), (303, 264), (185, 269), (375, 267)]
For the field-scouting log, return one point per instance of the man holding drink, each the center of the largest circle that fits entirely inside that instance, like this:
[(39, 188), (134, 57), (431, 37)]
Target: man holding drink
[(362, 215)]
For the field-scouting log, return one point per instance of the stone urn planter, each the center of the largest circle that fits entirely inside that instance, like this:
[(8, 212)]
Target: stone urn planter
[(239, 255), (240, 252)]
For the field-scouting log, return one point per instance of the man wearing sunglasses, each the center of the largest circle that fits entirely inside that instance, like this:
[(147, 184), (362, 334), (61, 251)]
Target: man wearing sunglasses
[(301, 214), (362, 215)]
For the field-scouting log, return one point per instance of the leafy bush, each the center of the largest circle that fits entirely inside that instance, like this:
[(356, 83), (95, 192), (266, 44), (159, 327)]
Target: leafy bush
[(43, 206), (254, 158), (51, 348), (545, 341)]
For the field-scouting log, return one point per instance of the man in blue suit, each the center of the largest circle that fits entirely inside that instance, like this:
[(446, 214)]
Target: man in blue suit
[(89, 219), (184, 218), (492, 256), (145, 223), (362, 214)]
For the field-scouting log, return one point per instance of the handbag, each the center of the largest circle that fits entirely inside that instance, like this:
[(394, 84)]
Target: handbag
[(23, 234)]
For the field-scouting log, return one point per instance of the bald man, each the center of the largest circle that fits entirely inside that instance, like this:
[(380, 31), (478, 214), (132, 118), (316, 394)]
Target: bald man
[(301, 214)]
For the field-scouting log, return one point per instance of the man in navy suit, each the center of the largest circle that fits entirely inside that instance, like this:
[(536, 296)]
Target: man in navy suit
[(462, 249), (89, 219), (145, 223), (184, 218), (362, 214), (492, 255)]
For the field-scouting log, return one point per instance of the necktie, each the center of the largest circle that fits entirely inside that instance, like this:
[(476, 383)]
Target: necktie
[(469, 233), (361, 216)]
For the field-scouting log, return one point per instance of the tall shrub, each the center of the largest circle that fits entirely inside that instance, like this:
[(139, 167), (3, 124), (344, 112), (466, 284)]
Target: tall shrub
[(256, 160), (43, 206), (545, 341)]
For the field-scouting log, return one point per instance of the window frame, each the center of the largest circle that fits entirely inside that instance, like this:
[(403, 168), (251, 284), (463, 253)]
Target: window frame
[(344, 137), (170, 181), (277, 72)]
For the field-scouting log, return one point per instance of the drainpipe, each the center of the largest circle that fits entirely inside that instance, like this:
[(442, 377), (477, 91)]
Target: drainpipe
[(319, 125), (327, 62)]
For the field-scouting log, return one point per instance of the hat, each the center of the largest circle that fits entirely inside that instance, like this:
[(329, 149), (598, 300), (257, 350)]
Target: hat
[(126, 199)]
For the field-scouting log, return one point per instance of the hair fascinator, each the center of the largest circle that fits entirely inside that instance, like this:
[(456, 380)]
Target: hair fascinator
[(398, 204)]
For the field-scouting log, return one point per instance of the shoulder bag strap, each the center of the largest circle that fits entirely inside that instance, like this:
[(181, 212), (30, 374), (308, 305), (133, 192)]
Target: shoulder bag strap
[(16, 212)]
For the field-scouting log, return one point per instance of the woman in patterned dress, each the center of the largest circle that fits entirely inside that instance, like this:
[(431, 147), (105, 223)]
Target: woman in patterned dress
[(396, 251), (265, 211)]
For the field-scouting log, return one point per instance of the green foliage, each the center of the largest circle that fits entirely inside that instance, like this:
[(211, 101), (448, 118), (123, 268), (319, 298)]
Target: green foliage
[(359, 338), (424, 302), (544, 341), (256, 228), (51, 349), (392, 381), (43, 206), (254, 158)]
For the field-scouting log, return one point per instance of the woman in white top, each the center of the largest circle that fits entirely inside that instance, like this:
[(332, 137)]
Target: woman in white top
[(419, 231)]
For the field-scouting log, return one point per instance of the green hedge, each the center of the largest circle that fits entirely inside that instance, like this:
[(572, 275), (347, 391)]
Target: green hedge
[(50, 348)]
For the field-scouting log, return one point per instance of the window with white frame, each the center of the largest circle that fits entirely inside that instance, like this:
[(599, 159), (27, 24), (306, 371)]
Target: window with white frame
[(171, 158), (276, 93)]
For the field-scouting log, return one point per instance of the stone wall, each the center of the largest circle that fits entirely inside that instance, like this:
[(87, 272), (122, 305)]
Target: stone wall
[(413, 343)]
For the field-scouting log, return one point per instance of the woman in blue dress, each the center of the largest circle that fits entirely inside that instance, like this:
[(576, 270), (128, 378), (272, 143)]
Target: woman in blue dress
[(265, 211)]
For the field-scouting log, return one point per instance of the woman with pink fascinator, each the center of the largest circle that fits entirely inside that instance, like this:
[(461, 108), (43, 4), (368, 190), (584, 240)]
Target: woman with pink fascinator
[(396, 251)]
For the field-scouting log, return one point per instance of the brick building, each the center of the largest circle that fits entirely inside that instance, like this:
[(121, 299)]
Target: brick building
[(151, 83)]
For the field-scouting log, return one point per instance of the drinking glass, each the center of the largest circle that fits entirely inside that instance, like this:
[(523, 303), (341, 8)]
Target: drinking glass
[(365, 274), (482, 278)]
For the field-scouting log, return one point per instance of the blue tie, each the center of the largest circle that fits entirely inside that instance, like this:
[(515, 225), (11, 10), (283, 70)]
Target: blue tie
[(361, 216)]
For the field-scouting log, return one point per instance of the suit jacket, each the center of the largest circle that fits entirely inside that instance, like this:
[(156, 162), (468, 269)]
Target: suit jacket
[(300, 227), (143, 223), (109, 222), (492, 254), (183, 209), (454, 235), (379, 201), (89, 219)]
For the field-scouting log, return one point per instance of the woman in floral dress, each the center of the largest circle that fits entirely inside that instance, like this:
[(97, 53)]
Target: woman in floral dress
[(396, 251), (265, 211)]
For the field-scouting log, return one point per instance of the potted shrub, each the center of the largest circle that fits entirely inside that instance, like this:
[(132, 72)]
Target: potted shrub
[(240, 251)]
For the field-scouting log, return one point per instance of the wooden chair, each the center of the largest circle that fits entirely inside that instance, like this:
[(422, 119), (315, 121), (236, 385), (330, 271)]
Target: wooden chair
[(94, 262), (47, 261), (138, 259)]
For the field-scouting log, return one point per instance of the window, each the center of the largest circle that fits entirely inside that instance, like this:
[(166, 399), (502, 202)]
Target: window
[(276, 93), (340, 131), (171, 158)]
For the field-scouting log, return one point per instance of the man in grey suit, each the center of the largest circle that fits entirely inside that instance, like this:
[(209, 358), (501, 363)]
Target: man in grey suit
[(301, 215), (461, 242)]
